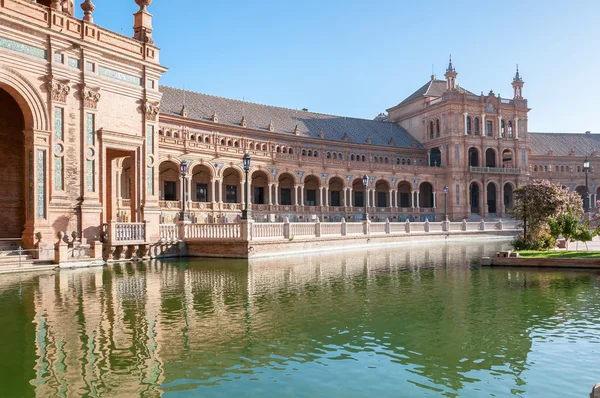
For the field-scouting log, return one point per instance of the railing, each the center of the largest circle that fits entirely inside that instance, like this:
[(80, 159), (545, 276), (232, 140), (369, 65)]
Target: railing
[(212, 231), (495, 170), (170, 204), (331, 228), (354, 228), (378, 227), (302, 229), (120, 233), (267, 230), (169, 232)]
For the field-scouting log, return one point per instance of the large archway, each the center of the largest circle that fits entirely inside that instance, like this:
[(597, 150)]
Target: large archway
[(12, 166), (405, 196), (260, 188), (382, 189), (473, 157), (490, 158), (426, 195), (336, 190), (474, 198), (491, 198), (287, 194)]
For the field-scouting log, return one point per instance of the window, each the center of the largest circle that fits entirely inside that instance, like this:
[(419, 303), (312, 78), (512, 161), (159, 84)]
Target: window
[(202, 192), (437, 128), (311, 197), (60, 58), (286, 196), (477, 131), (490, 128), (335, 198), (430, 130), (170, 190), (150, 83), (510, 129), (90, 66), (502, 129), (469, 125), (359, 199), (259, 196), (404, 199), (230, 194)]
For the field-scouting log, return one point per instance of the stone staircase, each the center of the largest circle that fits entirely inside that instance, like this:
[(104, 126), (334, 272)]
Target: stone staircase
[(11, 255)]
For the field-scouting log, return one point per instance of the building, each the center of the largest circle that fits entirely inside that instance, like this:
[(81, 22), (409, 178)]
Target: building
[(89, 136)]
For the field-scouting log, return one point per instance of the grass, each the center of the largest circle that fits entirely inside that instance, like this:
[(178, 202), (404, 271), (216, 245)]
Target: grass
[(558, 254)]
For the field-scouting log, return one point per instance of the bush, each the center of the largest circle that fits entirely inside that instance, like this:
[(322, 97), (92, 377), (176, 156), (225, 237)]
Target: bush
[(544, 241)]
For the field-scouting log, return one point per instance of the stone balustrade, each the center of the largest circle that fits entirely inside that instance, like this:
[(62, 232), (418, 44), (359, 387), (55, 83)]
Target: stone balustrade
[(122, 233), (292, 230)]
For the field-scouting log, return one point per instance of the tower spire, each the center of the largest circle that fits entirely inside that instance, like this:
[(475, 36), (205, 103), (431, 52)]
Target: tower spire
[(518, 85), (450, 76)]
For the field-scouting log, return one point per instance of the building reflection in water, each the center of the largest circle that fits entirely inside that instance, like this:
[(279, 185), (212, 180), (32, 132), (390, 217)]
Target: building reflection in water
[(142, 329)]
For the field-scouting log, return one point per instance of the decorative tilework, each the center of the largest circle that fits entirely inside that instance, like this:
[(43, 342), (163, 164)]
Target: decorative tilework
[(348, 178), (150, 180), (324, 177), (524, 158), (58, 174), (90, 122), (457, 194), (150, 139), (218, 167), (273, 172), (58, 124), (73, 63), (41, 184), (456, 155), (22, 48), (299, 174), (113, 74), (30, 185), (89, 176)]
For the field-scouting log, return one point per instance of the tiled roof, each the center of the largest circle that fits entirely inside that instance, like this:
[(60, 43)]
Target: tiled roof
[(433, 88), (561, 144), (310, 124)]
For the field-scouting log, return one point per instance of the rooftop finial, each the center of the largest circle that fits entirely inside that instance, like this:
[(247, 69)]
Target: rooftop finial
[(450, 67), (517, 75), (88, 8)]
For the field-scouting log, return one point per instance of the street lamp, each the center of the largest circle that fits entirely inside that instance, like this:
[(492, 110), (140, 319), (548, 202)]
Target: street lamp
[(246, 212), (183, 167), (445, 203), (365, 199), (586, 200)]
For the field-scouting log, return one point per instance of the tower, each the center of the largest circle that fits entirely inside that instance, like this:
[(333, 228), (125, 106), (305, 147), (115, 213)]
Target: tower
[(518, 85), (450, 76)]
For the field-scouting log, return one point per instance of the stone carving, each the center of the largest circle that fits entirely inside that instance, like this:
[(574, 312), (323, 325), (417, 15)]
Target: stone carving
[(151, 110), (90, 97), (143, 4), (88, 8), (59, 90)]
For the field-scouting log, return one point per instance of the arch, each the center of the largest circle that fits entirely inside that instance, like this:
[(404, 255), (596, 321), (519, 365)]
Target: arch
[(169, 178), (232, 185), (304, 152), (502, 128), (437, 128), (264, 147), (236, 144), (316, 154), (259, 187), (202, 175), (431, 131), (382, 189), (490, 157), (510, 129), (477, 126), (535, 168), (352, 157), (192, 137), (291, 151), (328, 155), (408, 161), (207, 140), (507, 159), (195, 163), (336, 186), (475, 197), (473, 157), (435, 157), (582, 191), (425, 195), (469, 125), (364, 159), (405, 196), (340, 156), (492, 198), (358, 193), (307, 176), (508, 199), (312, 190), (28, 98), (285, 183), (237, 168)]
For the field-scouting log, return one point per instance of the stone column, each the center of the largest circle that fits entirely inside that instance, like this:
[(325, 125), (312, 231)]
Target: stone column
[(483, 129), (418, 199), (595, 204), (516, 132), (413, 199), (118, 188), (242, 193), (351, 197), (390, 204), (213, 193), (276, 196), (220, 191), (326, 196), (320, 197), (296, 203), (500, 127), (301, 195), (465, 115), (270, 194), (189, 193), (434, 200)]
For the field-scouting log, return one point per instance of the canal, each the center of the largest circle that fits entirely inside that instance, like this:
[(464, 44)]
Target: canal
[(410, 321)]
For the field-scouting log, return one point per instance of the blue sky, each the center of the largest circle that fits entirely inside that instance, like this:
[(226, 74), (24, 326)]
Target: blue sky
[(358, 58)]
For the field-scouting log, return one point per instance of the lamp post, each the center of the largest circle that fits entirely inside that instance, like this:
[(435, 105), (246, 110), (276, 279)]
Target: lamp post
[(366, 197), (445, 203), (586, 201), (183, 167), (246, 211)]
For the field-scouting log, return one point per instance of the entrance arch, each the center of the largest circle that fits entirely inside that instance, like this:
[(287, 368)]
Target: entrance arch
[(426, 195), (336, 192), (491, 198), (490, 158), (473, 157), (12, 166), (474, 194)]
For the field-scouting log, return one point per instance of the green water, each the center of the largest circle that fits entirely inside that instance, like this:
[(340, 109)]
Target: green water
[(405, 322)]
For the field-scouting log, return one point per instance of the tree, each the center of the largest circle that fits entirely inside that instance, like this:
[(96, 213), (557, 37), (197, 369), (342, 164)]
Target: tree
[(585, 234), (536, 202), (566, 225)]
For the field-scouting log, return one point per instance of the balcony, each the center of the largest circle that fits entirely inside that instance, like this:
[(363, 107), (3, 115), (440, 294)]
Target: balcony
[(495, 170)]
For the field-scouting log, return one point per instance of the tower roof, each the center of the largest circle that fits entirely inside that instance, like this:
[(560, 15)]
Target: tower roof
[(432, 89), (517, 77), (450, 67)]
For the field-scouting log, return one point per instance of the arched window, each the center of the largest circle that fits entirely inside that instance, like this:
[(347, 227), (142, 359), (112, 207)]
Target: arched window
[(193, 137), (304, 152), (364, 159), (334, 155), (206, 140), (397, 160), (352, 158), (328, 155), (161, 132), (510, 129), (291, 151), (264, 147), (535, 168), (408, 162), (309, 153), (236, 144), (385, 160), (375, 159), (175, 135), (228, 142), (340, 157), (502, 129), (316, 154), (437, 128), (469, 125), (403, 161), (284, 150), (477, 127), (431, 130)]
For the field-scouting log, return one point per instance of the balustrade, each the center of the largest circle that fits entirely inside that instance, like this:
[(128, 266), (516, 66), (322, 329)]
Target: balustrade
[(267, 230), (169, 232), (212, 231), (120, 233)]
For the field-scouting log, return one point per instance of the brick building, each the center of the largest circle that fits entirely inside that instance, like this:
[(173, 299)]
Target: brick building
[(89, 136)]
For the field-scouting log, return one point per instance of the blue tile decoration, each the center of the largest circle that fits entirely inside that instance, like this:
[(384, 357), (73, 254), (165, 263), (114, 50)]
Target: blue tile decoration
[(113, 74), (150, 139), (58, 174), (58, 124), (22, 48), (150, 180), (30, 185), (90, 121), (41, 184), (89, 176)]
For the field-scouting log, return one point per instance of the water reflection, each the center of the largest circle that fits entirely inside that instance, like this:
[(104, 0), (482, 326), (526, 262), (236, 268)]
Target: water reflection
[(411, 320)]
